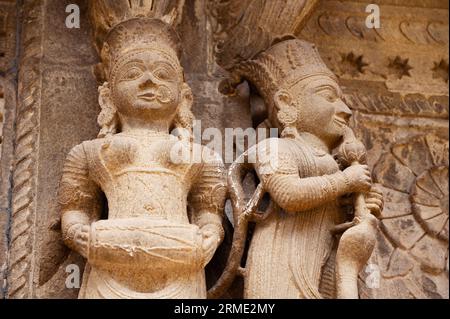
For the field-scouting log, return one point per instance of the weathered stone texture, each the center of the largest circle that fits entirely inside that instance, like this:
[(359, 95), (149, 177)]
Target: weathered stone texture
[(394, 79), (7, 119), (56, 83)]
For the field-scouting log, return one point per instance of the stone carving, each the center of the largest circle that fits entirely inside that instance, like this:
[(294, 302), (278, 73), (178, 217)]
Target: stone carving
[(295, 237), (424, 224), (388, 103), (150, 245), (106, 14), (404, 54), (430, 201), (22, 244), (394, 79), (408, 115), (243, 29), (7, 34)]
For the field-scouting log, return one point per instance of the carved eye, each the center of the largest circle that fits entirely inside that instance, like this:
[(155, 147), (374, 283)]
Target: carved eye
[(132, 74), (162, 74), (329, 94)]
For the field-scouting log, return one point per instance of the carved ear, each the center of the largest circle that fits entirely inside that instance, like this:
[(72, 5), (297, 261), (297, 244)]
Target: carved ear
[(107, 119), (287, 114), (104, 96), (185, 118), (187, 98), (282, 100)]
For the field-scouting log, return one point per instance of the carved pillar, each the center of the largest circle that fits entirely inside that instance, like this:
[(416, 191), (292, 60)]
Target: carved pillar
[(7, 116), (56, 109)]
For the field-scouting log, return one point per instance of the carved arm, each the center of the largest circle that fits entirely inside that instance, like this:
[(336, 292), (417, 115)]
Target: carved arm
[(207, 199), (79, 201), (295, 194), (278, 169)]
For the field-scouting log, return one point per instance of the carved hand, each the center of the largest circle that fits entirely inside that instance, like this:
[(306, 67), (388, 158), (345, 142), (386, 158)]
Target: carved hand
[(81, 239), (211, 240), (359, 178), (374, 200)]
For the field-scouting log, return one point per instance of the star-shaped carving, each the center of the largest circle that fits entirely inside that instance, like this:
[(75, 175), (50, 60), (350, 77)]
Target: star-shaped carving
[(399, 67), (440, 70), (352, 64)]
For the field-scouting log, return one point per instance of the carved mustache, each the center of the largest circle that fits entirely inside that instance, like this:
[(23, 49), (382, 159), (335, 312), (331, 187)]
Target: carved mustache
[(162, 94)]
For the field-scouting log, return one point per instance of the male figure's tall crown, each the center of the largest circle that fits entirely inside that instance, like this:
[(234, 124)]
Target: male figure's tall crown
[(281, 66)]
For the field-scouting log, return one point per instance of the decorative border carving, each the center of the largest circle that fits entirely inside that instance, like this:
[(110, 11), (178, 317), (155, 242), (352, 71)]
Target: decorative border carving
[(408, 54), (22, 250), (383, 102)]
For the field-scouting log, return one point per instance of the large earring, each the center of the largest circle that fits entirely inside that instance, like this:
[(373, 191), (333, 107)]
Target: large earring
[(287, 117), (107, 119)]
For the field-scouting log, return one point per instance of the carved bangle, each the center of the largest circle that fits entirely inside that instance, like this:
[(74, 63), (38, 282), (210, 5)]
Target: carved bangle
[(345, 179)]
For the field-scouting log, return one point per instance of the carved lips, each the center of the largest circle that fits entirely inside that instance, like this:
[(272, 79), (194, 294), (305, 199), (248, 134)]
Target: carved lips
[(162, 94), (148, 96)]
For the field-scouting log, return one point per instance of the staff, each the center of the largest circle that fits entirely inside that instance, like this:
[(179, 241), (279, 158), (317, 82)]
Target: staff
[(358, 240)]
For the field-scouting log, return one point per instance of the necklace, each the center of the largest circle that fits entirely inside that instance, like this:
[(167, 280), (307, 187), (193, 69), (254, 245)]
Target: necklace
[(146, 134)]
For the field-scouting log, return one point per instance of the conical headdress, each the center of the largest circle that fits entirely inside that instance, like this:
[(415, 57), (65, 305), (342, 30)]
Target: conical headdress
[(136, 35), (281, 66)]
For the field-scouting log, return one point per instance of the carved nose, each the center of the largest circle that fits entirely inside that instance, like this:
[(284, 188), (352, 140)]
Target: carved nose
[(147, 81), (343, 111)]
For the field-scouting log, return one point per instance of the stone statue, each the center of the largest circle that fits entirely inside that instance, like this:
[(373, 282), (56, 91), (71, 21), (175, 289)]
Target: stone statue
[(293, 239), (163, 218)]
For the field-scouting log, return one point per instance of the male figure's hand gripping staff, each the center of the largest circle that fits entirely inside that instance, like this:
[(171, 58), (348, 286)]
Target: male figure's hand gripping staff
[(358, 240)]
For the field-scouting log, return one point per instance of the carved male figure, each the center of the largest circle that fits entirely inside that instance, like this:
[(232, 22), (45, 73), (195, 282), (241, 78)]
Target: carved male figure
[(304, 101), (164, 216)]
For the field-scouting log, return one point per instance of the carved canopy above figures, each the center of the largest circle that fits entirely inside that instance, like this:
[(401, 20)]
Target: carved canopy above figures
[(242, 29)]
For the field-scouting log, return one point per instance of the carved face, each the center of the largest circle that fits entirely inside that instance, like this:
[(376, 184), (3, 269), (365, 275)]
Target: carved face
[(147, 84), (319, 106)]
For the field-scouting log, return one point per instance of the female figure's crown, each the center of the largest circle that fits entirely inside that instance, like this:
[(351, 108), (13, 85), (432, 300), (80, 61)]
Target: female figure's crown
[(137, 35)]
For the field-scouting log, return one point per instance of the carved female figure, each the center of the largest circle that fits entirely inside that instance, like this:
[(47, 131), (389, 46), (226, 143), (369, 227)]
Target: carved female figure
[(163, 216), (291, 246)]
